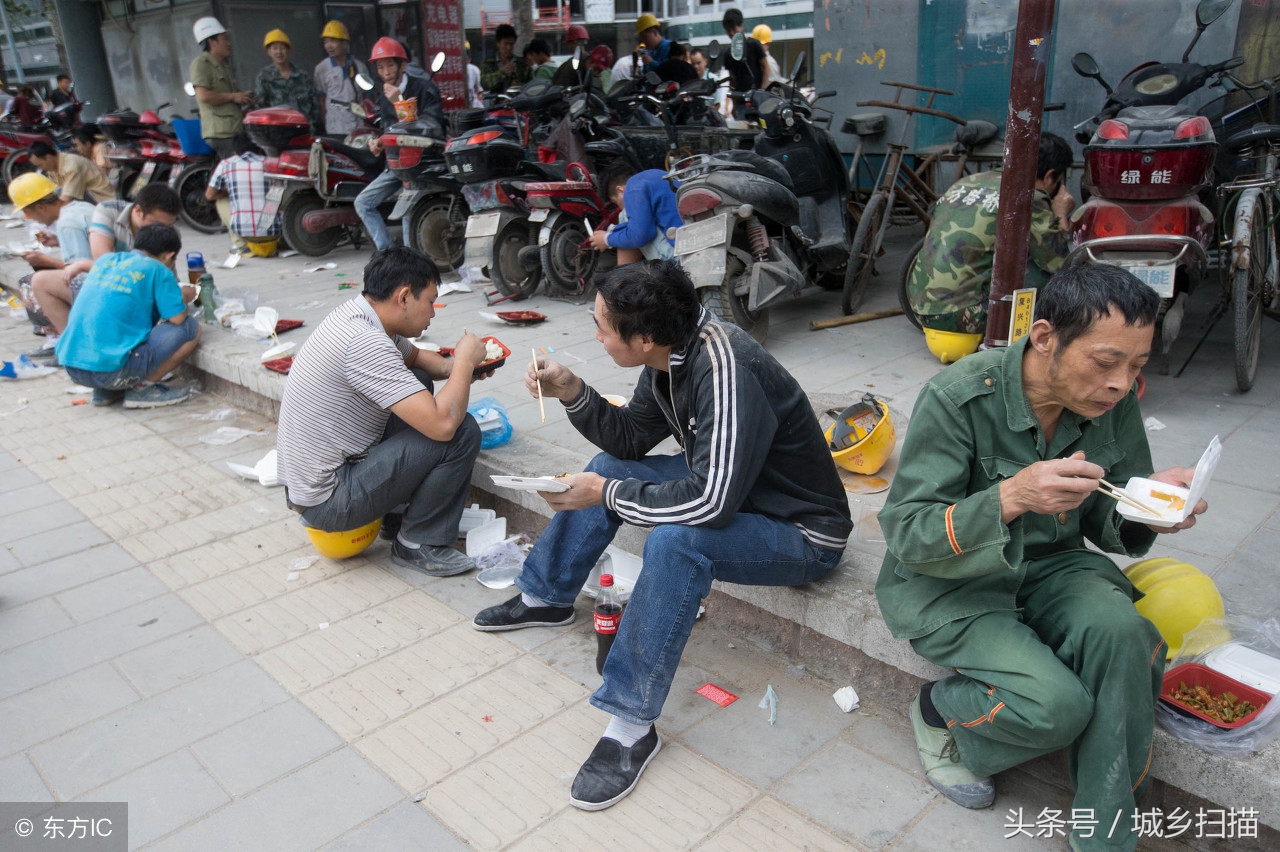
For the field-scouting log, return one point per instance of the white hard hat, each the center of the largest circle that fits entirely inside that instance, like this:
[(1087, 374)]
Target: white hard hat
[(207, 28)]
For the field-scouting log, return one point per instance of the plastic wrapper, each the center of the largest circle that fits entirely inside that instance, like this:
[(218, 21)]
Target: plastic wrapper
[(1198, 646), (495, 426)]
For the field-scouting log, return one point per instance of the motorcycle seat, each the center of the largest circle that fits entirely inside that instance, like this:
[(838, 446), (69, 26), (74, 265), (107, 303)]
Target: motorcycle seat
[(535, 103), (753, 162), (1253, 136), (1143, 117), (363, 156), (545, 171)]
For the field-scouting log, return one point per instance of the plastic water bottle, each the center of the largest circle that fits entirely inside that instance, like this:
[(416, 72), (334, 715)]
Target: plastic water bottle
[(608, 617), (195, 267), (208, 297)]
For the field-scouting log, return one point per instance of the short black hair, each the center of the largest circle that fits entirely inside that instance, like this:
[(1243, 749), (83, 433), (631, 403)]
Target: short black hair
[(398, 266), (158, 197), (732, 18), (1055, 155), (504, 31), (242, 144), (678, 51), (62, 77), (653, 299), (156, 240), (537, 45), (1078, 295), (698, 51), (42, 149), (619, 171), (86, 133)]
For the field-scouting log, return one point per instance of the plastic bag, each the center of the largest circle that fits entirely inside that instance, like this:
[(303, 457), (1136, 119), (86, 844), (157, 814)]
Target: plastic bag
[(1206, 644), (501, 564), (495, 426), (25, 368)]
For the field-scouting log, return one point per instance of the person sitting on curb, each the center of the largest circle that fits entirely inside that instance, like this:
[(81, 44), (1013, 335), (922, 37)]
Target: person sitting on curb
[(362, 431), (987, 571), (76, 176), (129, 326), (89, 143), (754, 498), (389, 60), (239, 187), (648, 205)]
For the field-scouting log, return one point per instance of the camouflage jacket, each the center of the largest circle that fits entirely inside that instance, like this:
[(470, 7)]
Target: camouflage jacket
[(270, 89), (953, 270), (494, 79)]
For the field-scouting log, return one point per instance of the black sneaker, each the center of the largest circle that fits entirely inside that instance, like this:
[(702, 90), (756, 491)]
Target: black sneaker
[(391, 524), (612, 771), (107, 397), (513, 615), (434, 560)]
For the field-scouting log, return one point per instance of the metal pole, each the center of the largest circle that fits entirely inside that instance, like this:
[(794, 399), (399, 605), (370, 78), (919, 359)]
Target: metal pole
[(1021, 151), (13, 50)]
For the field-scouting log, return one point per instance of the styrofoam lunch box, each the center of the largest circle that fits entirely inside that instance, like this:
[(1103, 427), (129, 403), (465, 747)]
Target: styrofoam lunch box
[(1246, 665), (1141, 489), (625, 568)]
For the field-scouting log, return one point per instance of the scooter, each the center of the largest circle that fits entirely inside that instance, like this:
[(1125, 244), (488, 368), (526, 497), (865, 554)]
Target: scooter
[(15, 141), (431, 203), (1148, 171), (763, 224)]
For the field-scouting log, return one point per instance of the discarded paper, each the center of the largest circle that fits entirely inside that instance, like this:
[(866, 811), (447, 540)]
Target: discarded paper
[(770, 701), (846, 698), (1152, 424)]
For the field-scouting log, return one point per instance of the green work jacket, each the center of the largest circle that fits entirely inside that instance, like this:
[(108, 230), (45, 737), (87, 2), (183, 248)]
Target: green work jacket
[(224, 120), (950, 556)]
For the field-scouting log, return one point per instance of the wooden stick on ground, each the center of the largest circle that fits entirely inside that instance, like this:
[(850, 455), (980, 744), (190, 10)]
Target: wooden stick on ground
[(818, 325)]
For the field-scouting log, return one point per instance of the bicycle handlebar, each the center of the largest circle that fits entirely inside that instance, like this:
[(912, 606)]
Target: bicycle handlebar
[(913, 109)]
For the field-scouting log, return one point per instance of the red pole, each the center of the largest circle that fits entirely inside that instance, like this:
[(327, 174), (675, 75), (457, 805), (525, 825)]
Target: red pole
[(1021, 151)]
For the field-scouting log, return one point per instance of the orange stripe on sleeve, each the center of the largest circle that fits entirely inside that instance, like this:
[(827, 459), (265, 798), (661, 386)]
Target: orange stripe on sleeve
[(1159, 645), (951, 531)]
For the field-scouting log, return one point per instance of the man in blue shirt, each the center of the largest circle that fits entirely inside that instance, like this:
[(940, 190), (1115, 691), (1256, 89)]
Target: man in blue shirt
[(129, 326), (656, 48), (648, 205)]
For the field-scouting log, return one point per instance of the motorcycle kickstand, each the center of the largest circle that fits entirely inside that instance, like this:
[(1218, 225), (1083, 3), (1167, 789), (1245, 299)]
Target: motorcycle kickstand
[(489, 300)]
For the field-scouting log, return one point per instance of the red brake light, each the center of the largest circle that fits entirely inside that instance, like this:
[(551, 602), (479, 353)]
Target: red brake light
[(1170, 220), (152, 149), (294, 163), (697, 201), (403, 157), (1192, 127), (481, 138), (1110, 222), (1112, 129), (672, 87)]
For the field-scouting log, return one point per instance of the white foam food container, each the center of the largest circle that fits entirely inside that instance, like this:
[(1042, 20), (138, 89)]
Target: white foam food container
[(474, 517), (1250, 667), (1143, 490), (550, 484), (486, 536), (625, 568)]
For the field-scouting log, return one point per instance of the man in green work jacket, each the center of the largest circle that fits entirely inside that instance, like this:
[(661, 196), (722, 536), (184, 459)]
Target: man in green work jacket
[(987, 571)]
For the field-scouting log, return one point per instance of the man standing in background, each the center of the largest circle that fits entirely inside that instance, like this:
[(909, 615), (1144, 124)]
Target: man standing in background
[(335, 80), (220, 101)]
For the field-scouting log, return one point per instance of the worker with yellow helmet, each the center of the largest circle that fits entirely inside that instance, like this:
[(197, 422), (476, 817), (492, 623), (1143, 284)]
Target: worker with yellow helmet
[(763, 33), (281, 83), (654, 49), (335, 78)]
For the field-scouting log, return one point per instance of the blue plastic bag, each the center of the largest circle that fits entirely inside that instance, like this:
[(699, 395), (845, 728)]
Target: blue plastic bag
[(495, 427)]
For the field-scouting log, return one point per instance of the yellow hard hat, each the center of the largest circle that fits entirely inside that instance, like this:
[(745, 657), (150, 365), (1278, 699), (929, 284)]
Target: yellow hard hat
[(335, 29), (951, 346), (647, 21), (27, 189), (862, 438), (276, 36), (763, 33), (263, 246), (1178, 596), (341, 545)]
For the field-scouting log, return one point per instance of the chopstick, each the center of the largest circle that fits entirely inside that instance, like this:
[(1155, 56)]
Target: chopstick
[(1123, 496), (542, 409)]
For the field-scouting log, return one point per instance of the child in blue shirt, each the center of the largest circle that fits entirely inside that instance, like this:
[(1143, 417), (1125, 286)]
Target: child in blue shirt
[(648, 210)]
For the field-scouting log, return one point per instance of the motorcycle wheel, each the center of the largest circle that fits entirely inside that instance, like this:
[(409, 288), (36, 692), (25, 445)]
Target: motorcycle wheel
[(508, 274), (1246, 299), (904, 282), (433, 232), (568, 269), (124, 186), (17, 163), (723, 304), (312, 245), (862, 253), (196, 211)]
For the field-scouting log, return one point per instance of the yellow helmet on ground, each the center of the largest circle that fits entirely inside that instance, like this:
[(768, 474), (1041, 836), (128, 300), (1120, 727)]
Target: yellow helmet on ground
[(276, 36), (1178, 597), (862, 438), (951, 346), (647, 21), (341, 545), (763, 33), (335, 29), (263, 246), (27, 189)]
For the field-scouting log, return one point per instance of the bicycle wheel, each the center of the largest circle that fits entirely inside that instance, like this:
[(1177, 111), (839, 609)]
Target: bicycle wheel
[(862, 255), (1246, 297), (904, 283)]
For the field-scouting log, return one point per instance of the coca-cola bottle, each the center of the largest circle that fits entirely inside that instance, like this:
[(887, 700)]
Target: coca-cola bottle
[(608, 617)]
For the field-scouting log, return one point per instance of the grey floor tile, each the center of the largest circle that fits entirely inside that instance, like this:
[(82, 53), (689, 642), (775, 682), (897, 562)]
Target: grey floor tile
[(263, 747), (177, 660), (8, 562), (406, 827), (887, 740), (19, 781), (111, 594), (856, 795), (31, 621), (70, 539), (30, 497), (163, 796), (133, 737), (20, 478), (949, 826), (15, 525), (302, 811), (1248, 581), (62, 574), (55, 708)]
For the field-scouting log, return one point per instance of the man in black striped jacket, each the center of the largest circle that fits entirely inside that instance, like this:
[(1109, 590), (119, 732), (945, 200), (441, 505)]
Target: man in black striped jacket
[(754, 498)]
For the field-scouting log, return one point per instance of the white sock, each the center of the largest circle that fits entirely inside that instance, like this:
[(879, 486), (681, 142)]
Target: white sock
[(404, 542), (625, 732), (532, 602)]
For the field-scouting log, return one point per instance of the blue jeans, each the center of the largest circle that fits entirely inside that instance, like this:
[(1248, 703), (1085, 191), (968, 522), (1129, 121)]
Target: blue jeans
[(680, 562), (164, 340), (384, 186)]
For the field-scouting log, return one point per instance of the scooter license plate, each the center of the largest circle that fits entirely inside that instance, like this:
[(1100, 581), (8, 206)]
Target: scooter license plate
[(1159, 278), (144, 177), (484, 224), (700, 236), (479, 251), (271, 205), (539, 215)]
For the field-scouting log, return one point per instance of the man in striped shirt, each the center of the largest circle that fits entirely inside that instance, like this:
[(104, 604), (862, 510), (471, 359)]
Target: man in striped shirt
[(362, 432), (754, 498)]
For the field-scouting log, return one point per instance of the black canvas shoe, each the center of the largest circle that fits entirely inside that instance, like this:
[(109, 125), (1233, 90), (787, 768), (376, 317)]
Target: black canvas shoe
[(612, 771), (433, 560), (391, 524), (513, 615)]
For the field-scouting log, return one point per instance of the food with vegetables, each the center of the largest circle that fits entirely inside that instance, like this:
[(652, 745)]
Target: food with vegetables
[(1225, 707)]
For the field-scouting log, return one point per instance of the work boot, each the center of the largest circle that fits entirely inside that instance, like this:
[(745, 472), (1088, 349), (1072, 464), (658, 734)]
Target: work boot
[(942, 766)]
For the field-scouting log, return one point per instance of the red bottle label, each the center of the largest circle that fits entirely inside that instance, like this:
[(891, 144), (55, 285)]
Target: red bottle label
[(608, 623)]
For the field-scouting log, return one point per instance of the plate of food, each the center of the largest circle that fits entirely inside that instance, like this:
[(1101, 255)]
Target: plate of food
[(521, 317), (495, 354), (1170, 504), (554, 484)]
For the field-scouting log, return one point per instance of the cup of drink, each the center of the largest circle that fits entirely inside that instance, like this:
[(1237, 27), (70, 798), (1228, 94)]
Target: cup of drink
[(406, 110)]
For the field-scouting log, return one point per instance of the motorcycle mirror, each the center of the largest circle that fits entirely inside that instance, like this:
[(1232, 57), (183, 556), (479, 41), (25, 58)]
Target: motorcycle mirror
[(737, 46), (356, 109), (437, 63), (364, 83), (577, 57), (797, 69), (652, 79), (1207, 11), (189, 89), (713, 49), (1085, 66)]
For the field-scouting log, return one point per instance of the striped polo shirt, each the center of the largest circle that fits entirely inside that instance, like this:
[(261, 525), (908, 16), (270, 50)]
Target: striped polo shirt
[(337, 398)]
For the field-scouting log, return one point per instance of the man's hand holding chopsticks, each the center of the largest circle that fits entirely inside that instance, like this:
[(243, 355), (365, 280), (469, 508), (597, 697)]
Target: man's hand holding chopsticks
[(1049, 487), (558, 381)]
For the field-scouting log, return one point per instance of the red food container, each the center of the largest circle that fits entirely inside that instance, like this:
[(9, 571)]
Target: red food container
[(1194, 674), (492, 364)]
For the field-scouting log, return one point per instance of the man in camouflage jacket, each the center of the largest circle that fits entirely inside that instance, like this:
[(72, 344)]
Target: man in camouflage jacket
[(951, 278)]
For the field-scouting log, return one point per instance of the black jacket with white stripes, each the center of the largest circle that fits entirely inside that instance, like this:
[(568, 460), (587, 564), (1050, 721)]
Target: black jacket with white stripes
[(749, 435)]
